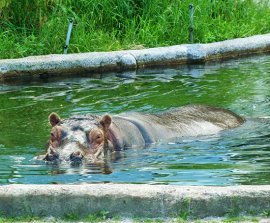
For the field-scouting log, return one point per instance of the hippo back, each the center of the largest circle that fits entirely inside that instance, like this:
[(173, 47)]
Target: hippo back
[(190, 120), (220, 117)]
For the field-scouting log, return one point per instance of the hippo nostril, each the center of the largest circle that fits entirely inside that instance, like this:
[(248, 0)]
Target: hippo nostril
[(76, 157), (51, 157)]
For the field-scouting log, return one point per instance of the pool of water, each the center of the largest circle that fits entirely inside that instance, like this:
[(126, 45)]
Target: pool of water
[(233, 157)]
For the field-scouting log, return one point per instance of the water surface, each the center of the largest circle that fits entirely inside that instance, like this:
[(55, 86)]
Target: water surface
[(237, 156)]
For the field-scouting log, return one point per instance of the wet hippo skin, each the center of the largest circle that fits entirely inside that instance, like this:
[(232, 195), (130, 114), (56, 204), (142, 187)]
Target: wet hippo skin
[(91, 136)]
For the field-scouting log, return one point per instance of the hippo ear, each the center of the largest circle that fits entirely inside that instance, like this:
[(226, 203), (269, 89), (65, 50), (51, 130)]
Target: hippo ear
[(54, 119), (106, 121)]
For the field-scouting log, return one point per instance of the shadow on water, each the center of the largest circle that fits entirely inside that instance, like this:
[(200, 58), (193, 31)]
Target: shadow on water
[(237, 156)]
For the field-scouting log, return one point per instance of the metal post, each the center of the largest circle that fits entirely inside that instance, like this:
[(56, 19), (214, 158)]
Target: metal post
[(191, 29), (70, 25)]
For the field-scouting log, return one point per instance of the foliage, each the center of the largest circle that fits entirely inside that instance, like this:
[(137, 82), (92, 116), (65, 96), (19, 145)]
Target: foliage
[(29, 27), (4, 3)]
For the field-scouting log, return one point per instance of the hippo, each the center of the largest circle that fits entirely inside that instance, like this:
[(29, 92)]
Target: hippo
[(90, 137)]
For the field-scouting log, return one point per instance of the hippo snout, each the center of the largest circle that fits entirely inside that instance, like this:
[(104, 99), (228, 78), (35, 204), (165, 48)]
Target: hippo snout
[(68, 153)]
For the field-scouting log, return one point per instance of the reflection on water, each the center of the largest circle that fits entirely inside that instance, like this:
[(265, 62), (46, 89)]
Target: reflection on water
[(238, 156)]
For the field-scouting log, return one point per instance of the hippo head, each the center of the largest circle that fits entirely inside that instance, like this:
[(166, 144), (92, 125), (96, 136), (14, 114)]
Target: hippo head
[(77, 139)]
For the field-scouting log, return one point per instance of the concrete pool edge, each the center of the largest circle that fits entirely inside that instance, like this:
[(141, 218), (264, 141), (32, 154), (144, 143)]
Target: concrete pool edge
[(131, 200), (59, 64)]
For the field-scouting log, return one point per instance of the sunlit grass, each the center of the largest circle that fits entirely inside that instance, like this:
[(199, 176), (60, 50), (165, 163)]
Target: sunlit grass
[(39, 27)]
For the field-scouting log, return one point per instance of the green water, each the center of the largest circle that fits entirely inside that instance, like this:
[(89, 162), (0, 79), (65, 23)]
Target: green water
[(238, 156)]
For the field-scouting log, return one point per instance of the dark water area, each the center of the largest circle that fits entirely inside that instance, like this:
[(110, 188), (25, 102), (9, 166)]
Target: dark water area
[(232, 157)]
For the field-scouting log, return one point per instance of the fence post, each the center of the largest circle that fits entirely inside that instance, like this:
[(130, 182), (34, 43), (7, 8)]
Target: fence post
[(70, 25), (191, 28)]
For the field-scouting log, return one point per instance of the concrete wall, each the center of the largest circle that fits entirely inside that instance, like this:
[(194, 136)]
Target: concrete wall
[(129, 200), (132, 59)]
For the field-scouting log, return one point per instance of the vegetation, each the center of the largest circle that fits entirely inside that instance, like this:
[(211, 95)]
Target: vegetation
[(105, 216), (101, 216), (33, 27)]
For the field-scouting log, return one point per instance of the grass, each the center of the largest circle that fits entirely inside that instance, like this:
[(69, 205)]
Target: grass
[(30, 27), (97, 217)]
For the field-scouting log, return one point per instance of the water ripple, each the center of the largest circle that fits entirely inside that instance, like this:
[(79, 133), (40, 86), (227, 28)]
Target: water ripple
[(238, 156)]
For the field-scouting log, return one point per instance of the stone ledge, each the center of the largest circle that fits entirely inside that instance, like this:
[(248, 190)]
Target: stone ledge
[(129, 200), (59, 64)]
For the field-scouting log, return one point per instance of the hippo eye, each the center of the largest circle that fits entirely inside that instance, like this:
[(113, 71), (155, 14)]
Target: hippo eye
[(98, 138), (52, 136)]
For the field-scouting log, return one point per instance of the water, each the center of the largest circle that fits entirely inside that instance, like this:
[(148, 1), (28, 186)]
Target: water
[(233, 157)]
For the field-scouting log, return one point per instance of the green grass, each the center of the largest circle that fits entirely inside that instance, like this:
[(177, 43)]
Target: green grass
[(241, 219), (97, 217), (29, 27)]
